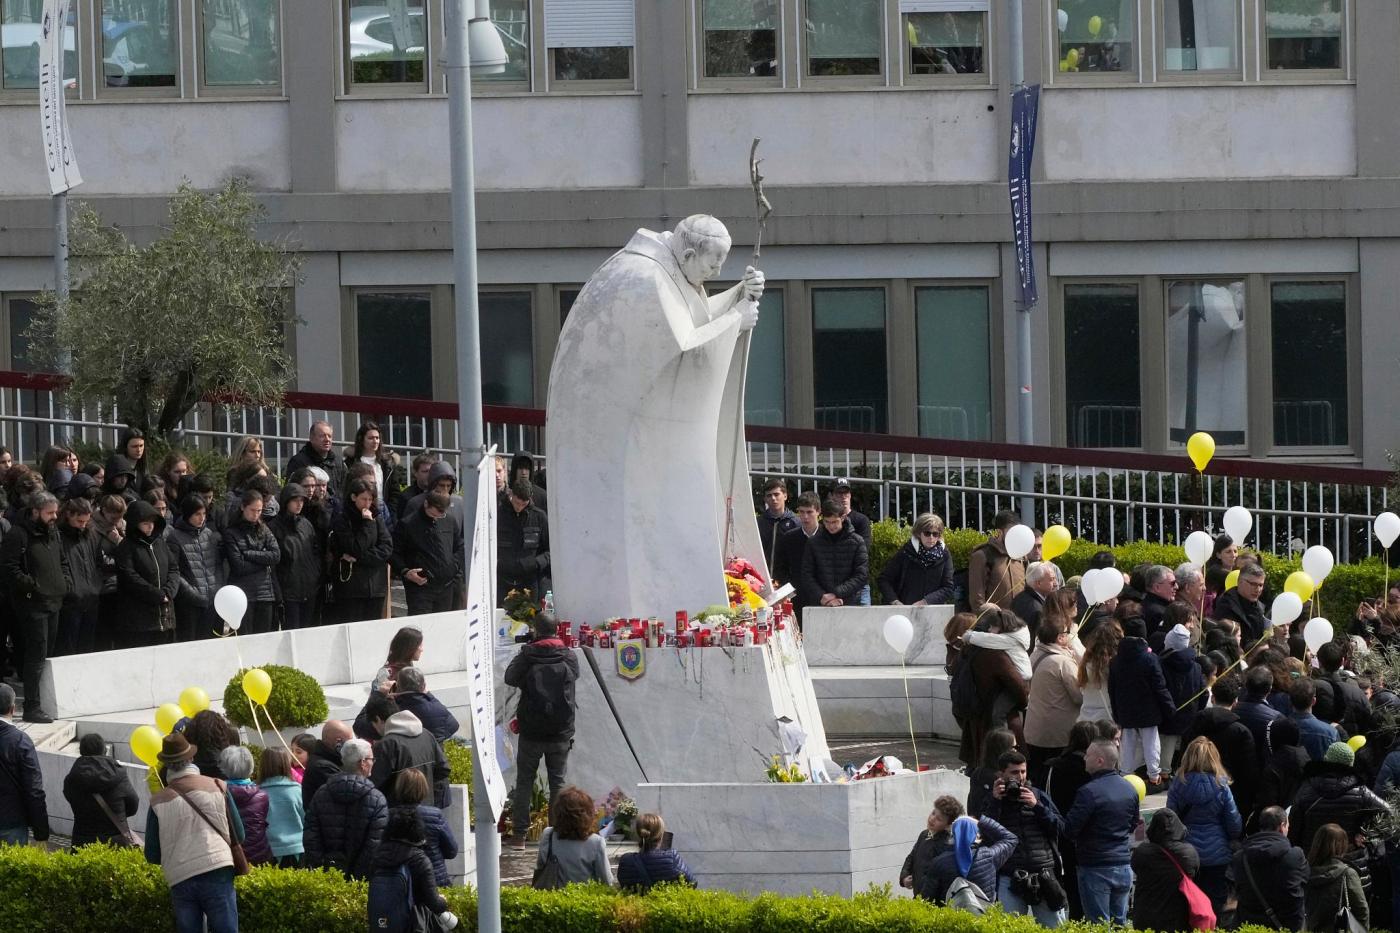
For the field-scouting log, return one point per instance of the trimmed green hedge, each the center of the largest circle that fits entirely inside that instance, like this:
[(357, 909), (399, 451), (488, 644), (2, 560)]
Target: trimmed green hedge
[(296, 702), (116, 891), (1345, 586)]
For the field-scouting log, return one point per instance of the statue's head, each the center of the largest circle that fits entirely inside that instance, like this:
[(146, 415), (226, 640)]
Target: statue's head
[(700, 244)]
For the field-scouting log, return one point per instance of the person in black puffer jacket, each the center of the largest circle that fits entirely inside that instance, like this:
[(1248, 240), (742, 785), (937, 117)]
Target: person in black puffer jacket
[(921, 572), (403, 848), (31, 569), (83, 566), (1332, 792), (411, 790), (346, 819), (1158, 903), (93, 775), (1028, 882), (1283, 767), (411, 693), (253, 555), (360, 548), (323, 761), (1185, 682), (199, 552), (980, 848), (429, 554), (1141, 702), (651, 865), (836, 565), (147, 579), (299, 567)]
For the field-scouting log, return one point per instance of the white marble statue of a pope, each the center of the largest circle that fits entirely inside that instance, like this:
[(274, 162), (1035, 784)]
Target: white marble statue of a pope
[(644, 431)]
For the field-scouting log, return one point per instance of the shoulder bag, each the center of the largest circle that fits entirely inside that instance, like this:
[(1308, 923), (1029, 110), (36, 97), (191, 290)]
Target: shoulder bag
[(125, 837), (1199, 912), (1346, 921), (964, 895), (1254, 886), (549, 874), (240, 860)]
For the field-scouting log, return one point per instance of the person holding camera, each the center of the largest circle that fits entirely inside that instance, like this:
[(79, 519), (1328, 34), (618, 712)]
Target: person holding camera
[(1028, 883)]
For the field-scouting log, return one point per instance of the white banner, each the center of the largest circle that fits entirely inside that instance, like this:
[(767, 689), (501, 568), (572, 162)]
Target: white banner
[(481, 610), (58, 146)]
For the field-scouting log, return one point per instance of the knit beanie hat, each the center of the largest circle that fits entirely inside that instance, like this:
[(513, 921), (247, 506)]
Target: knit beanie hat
[(1178, 639), (1340, 753)]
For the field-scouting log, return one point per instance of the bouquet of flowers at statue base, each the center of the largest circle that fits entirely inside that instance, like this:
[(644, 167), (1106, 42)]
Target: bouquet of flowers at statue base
[(618, 815)]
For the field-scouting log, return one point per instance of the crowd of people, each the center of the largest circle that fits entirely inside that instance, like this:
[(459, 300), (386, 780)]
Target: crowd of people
[(129, 552), (1265, 767)]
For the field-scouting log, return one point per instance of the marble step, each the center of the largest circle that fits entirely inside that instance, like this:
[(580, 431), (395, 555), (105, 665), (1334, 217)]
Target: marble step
[(870, 700)]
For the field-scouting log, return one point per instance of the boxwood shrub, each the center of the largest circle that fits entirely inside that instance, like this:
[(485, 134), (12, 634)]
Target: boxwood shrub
[(102, 890), (296, 701)]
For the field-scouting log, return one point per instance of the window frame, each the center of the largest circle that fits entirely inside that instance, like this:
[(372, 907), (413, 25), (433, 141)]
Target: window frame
[(1268, 74), (31, 94), (811, 288), (990, 57), (882, 76), (1160, 73), (350, 332), (432, 50), (1059, 362), (696, 47), (534, 11), (201, 58), (597, 85), (98, 50), (1252, 335), (532, 318), (995, 356), (1132, 77), (7, 331), (1351, 296)]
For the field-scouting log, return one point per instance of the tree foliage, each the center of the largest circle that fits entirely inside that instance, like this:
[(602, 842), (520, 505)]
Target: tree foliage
[(199, 312)]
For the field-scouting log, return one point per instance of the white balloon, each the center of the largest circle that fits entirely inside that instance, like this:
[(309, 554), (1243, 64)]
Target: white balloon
[(230, 603), (1387, 528), (1088, 586), (1286, 608), (1110, 583), (1063, 18), (1317, 633), (1198, 547), (1019, 540), (899, 632), (1238, 521), (1317, 563)]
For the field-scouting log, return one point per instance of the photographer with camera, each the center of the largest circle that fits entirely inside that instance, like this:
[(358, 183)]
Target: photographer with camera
[(1029, 882)]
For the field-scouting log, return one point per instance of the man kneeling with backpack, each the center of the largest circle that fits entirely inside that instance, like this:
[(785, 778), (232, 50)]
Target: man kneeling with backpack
[(544, 672)]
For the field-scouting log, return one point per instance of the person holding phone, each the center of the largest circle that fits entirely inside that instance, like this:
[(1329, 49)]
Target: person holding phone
[(429, 554)]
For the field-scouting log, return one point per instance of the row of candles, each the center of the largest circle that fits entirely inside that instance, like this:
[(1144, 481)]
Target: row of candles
[(751, 628)]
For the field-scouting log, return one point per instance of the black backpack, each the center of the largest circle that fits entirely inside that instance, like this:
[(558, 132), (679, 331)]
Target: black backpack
[(546, 703), (390, 901), (962, 689)]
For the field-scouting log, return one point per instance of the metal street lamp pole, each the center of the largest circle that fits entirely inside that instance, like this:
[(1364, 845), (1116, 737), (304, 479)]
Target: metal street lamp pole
[(1025, 410)]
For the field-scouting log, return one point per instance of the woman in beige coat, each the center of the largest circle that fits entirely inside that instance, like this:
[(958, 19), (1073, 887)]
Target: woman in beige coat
[(1055, 697)]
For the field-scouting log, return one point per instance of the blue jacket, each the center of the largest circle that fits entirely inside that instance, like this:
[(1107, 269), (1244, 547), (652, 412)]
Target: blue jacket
[(435, 717), (1208, 809), (1389, 775), (1257, 714), (22, 803), (1102, 820), (1316, 734), (995, 847), (440, 844), (638, 871), (1184, 681), (286, 819), (1137, 690)]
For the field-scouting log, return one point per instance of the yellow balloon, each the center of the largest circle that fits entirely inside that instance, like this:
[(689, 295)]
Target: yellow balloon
[(1138, 785), (146, 745), (1095, 25), (913, 34), (257, 685), (1064, 65), (1301, 584), (1055, 542), (1200, 447), (167, 715), (1356, 742), (1072, 58), (193, 700), (1232, 578)]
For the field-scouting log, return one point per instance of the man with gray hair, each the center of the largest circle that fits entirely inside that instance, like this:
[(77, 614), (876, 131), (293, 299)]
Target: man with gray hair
[(347, 816), (32, 572), (1243, 605), (22, 803), (1042, 579), (1101, 823), (319, 452), (1161, 593), (1191, 586)]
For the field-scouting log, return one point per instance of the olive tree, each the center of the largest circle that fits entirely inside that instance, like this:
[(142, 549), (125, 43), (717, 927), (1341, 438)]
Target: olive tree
[(199, 312)]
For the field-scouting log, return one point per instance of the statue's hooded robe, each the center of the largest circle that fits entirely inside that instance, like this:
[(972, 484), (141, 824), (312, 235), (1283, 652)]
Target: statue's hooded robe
[(644, 443)]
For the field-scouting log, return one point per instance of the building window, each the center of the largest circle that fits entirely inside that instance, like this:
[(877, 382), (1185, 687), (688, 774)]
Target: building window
[(590, 40), (1103, 390), (1200, 35), (953, 329), (394, 343), (849, 359), (739, 38), (386, 43), (22, 311), (242, 43), (844, 38), (512, 20), (1303, 34), (1096, 35), (19, 45), (140, 43), (765, 396), (567, 297), (507, 349), (946, 43), (1207, 388), (594, 63), (1309, 325)]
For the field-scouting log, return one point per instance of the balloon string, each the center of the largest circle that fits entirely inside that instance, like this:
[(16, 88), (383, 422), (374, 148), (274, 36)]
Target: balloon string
[(1227, 670), (909, 709), (277, 732)]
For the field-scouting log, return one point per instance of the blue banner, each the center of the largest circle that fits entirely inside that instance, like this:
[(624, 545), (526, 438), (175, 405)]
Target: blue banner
[(1025, 105)]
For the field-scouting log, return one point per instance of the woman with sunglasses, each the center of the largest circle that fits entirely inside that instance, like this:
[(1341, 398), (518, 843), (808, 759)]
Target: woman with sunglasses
[(921, 572)]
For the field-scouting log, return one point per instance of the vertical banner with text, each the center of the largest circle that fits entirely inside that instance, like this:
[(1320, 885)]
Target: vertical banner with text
[(58, 145), (481, 610), (1025, 105)]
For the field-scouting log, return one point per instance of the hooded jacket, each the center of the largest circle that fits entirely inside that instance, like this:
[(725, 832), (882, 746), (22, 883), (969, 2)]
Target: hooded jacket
[(82, 561), (1331, 793), (1322, 898), (1136, 688), (300, 554), (97, 774), (199, 553), (367, 540), (146, 575), (918, 573), (554, 661), (977, 862), (439, 471), (434, 545), (1102, 820), (1208, 809), (1280, 871), (83, 486), (1158, 903), (435, 717), (251, 801), (32, 566), (406, 744), (118, 465), (1235, 743), (344, 824), (834, 563), (309, 456), (253, 555)]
